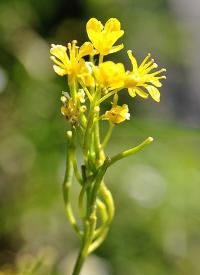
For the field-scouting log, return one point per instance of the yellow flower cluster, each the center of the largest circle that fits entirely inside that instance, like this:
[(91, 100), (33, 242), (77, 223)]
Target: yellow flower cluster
[(100, 79), (92, 81)]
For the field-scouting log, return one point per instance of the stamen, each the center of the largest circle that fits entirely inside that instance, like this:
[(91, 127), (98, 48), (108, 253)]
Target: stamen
[(133, 60), (69, 46), (70, 50), (158, 72), (76, 50), (145, 66), (153, 66), (73, 51), (145, 59)]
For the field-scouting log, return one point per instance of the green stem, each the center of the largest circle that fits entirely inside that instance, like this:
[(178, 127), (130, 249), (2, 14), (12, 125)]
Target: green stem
[(101, 233), (102, 209), (75, 166), (100, 59), (99, 178), (100, 157), (108, 95), (73, 157), (83, 252), (106, 194), (87, 136), (80, 202), (81, 197), (108, 135), (90, 225), (73, 91), (108, 200), (91, 117), (79, 263), (67, 185), (98, 241), (131, 151), (90, 222)]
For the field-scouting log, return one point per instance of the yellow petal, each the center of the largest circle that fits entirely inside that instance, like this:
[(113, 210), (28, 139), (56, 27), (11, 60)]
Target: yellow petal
[(112, 37), (94, 24), (95, 38), (59, 70), (141, 93), (105, 41), (156, 82), (59, 52), (85, 49), (112, 25), (153, 91), (116, 48), (110, 74), (131, 92)]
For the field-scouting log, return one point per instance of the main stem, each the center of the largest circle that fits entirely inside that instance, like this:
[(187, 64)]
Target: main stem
[(90, 220), (90, 224), (102, 164), (79, 262)]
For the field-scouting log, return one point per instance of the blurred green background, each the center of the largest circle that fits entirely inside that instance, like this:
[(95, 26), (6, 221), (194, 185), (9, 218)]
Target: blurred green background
[(156, 230)]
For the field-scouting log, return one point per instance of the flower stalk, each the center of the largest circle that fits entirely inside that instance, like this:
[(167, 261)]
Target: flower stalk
[(90, 84)]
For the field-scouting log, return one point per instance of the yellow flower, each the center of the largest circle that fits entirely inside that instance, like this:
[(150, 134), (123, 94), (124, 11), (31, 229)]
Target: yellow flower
[(71, 64), (110, 75), (104, 37), (140, 80), (117, 114)]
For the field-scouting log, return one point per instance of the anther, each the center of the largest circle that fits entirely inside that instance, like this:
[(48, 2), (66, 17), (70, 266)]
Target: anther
[(155, 65), (69, 46)]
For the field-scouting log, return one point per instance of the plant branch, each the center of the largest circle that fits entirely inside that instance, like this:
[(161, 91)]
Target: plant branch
[(131, 151), (67, 185)]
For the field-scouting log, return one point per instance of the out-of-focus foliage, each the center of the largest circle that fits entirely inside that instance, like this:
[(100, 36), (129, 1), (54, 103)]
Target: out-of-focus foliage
[(156, 228)]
